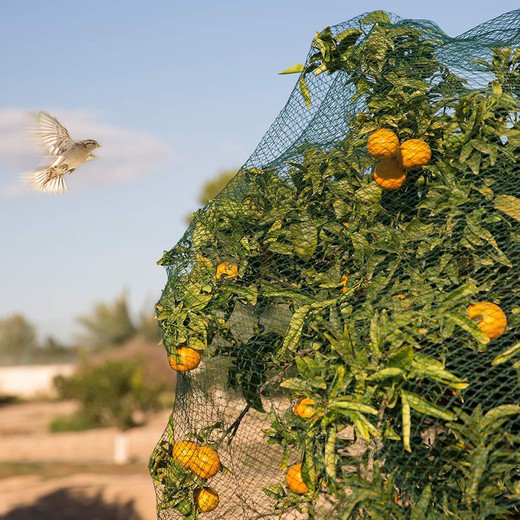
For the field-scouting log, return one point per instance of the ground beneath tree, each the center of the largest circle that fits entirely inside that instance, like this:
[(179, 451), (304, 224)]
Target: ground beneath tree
[(71, 475)]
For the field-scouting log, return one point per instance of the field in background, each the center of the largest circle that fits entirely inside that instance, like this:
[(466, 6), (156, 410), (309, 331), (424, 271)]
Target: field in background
[(71, 475)]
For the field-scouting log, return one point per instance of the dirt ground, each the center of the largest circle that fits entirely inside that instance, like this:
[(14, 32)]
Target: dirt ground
[(71, 475)]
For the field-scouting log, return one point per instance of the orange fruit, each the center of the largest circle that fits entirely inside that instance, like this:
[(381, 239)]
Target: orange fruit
[(186, 358), (295, 481), (206, 462), (389, 175), (344, 280), (184, 452), (383, 144), (489, 317), (414, 153), (305, 408), (206, 499), (226, 269)]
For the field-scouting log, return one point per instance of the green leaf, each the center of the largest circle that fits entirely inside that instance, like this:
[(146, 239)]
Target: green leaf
[(374, 17), (402, 359), (304, 89), (473, 161), (343, 403), (483, 146), (509, 205), (348, 36), (249, 293), (295, 383), (304, 237), (309, 473), (425, 407), (330, 455), (194, 299), (369, 194), (294, 69), (492, 417), (406, 421), (386, 373), (434, 370), (420, 509), (294, 333), (506, 355), (468, 325), (478, 463)]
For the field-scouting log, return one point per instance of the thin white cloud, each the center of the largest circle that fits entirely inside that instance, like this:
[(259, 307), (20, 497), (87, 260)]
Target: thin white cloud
[(124, 155)]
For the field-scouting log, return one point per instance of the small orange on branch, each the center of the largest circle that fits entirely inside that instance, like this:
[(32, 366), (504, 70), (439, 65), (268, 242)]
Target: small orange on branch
[(206, 499), (305, 408), (184, 359), (414, 153), (206, 462), (389, 175), (489, 317), (295, 481), (383, 144), (184, 452)]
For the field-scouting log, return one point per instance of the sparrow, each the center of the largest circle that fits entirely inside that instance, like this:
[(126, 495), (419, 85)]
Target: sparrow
[(57, 143)]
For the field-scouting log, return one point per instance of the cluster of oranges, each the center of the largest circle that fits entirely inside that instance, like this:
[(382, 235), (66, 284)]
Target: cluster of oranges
[(395, 158), (204, 461)]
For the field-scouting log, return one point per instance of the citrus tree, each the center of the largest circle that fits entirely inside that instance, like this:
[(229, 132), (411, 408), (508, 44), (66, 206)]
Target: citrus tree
[(373, 285)]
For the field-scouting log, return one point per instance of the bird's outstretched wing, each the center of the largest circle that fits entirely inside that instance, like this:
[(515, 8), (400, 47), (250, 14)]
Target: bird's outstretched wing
[(51, 134)]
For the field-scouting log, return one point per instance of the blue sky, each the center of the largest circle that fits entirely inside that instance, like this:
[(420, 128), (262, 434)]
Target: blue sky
[(174, 92)]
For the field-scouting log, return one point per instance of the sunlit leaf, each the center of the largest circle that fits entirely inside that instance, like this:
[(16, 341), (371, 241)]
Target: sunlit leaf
[(294, 69)]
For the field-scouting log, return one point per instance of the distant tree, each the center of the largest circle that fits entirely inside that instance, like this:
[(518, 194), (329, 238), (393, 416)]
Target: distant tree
[(112, 393), (214, 186), (17, 338), (52, 349), (211, 188), (108, 326)]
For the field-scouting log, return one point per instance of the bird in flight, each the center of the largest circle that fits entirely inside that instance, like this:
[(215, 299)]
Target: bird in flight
[(68, 154)]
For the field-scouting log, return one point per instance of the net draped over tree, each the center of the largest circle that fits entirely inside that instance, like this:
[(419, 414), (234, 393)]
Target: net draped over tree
[(344, 316)]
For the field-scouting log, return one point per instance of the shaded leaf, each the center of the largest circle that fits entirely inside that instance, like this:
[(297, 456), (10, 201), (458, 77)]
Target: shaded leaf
[(509, 205)]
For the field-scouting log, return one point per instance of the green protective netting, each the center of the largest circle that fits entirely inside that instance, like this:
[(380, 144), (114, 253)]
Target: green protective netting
[(381, 287)]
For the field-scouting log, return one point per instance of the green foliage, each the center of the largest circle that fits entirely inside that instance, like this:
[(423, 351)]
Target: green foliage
[(17, 338), (356, 297), (113, 393), (111, 325), (213, 187), (108, 325)]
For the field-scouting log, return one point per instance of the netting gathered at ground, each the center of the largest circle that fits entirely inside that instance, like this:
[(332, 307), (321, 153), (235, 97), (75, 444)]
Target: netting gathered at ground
[(344, 317)]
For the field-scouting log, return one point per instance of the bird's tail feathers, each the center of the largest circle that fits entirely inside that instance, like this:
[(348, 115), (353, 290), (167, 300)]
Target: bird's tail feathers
[(46, 180)]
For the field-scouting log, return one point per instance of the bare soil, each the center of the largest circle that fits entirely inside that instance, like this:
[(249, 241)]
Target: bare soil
[(71, 475)]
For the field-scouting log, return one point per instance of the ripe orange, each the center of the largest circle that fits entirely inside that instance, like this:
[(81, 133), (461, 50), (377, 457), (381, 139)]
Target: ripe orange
[(414, 153), (184, 452), (295, 481), (206, 499), (186, 359), (383, 144), (344, 280), (305, 408), (206, 462), (489, 317), (389, 175), (226, 269)]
